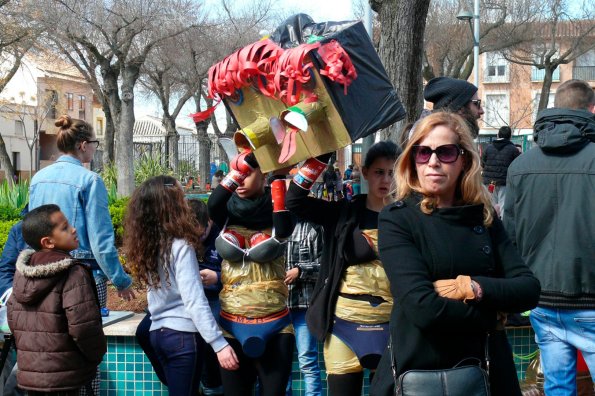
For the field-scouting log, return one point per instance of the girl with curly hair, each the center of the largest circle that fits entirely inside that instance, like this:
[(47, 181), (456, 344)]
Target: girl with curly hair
[(160, 242)]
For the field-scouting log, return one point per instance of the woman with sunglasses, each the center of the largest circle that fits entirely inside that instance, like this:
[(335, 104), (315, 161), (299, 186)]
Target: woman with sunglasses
[(451, 266), (351, 301)]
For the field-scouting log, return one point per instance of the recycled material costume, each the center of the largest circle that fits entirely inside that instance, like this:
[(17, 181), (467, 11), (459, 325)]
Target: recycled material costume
[(254, 312), (351, 303)]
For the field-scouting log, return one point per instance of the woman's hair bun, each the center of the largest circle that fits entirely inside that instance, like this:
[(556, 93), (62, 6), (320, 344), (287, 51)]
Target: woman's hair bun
[(64, 122)]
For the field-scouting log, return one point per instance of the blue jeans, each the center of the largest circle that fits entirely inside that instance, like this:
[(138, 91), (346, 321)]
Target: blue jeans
[(559, 333), (307, 349), (180, 354)]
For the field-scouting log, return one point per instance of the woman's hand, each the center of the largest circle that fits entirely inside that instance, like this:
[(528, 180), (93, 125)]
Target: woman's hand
[(459, 289), (292, 275), (127, 294), (208, 277), (228, 359)]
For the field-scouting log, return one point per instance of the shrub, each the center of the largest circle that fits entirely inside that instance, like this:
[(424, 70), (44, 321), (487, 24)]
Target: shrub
[(117, 210), (8, 213), (15, 195), (5, 227)]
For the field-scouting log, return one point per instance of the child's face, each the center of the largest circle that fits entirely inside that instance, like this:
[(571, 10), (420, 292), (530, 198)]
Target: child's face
[(63, 235), (253, 185)]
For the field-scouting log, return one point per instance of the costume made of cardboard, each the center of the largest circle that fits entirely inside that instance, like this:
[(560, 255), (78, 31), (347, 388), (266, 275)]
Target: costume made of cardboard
[(254, 296)]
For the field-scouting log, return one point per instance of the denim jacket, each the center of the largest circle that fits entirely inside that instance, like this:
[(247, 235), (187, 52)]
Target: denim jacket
[(82, 197)]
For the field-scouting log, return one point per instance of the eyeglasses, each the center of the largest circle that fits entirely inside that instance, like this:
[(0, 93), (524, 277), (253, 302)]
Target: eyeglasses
[(476, 102), (447, 153), (91, 142)]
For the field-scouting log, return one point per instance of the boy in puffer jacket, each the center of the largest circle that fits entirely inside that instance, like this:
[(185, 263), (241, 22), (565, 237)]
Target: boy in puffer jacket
[(54, 311)]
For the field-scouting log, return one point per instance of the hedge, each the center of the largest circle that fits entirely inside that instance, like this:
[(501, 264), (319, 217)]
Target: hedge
[(10, 216)]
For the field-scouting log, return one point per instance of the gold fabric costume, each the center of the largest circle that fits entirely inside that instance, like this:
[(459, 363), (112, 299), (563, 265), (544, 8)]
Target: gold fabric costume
[(253, 289), (365, 279)]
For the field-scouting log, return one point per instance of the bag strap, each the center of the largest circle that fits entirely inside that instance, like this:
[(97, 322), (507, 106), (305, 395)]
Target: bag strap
[(393, 362), (487, 353)]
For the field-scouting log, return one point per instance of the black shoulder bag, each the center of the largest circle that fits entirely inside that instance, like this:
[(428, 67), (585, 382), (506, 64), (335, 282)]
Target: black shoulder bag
[(461, 380)]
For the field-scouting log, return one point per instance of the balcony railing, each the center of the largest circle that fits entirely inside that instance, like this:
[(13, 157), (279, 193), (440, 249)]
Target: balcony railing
[(585, 73), (539, 74)]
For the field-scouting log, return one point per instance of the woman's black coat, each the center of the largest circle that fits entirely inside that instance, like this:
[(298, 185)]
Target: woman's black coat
[(432, 332)]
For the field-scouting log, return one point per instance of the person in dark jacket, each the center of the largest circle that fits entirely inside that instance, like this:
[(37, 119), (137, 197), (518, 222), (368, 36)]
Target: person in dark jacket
[(351, 301), (549, 214), (450, 263), (457, 96), (495, 160), (304, 251), (330, 182), (54, 309)]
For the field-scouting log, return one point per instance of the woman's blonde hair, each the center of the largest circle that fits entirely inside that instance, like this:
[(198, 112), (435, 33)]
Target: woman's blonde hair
[(470, 189)]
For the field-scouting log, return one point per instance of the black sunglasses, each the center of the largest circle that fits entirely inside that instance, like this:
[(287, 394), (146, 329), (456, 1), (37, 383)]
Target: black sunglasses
[(476, 102), (447, 153), (91, 142)]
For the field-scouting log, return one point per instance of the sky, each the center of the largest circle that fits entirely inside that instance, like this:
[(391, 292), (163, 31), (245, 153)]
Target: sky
[(319, 10)]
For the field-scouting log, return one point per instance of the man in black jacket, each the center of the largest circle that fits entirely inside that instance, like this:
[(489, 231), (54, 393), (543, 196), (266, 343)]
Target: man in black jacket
[(496, 159), (549, 213)]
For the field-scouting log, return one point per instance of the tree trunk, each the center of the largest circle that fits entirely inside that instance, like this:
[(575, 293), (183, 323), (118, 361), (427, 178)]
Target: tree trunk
[(544, 97), (9, 171), (124, 152), (204, 153), (113, 114), (109, 135), (171, 142), (402, 31)]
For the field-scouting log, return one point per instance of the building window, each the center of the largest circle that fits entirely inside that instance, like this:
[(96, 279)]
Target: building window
[(496, 68), (19, 128), (584, 67), (537, 97), (539, 74), (70, 101), (82, 105), (99, 127), (497, 110), (16, 160)]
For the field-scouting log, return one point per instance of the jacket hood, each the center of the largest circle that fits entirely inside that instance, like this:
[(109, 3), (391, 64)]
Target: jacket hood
[(38, 273), (564, 130), (501, 143)]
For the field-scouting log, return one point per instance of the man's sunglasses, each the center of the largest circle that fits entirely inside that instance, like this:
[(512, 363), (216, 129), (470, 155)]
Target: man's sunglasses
[(447, 153), (477, 102)]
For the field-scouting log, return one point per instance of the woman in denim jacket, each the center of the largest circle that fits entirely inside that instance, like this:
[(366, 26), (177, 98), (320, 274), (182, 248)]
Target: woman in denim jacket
[(82, 197)]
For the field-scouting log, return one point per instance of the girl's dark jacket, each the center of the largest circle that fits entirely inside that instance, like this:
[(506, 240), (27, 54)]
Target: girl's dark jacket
[(338, 219), (431, 332), (54, 315)]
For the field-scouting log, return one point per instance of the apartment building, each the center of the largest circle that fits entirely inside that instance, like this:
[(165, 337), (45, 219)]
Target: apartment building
[(43, 88)]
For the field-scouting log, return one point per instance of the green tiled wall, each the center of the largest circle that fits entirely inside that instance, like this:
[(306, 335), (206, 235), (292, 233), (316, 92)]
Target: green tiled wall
[(125, 370), (522, 340)]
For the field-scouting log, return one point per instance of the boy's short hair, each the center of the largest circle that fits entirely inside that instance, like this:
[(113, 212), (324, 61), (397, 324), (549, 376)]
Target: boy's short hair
[(37, 225), (574, 94)]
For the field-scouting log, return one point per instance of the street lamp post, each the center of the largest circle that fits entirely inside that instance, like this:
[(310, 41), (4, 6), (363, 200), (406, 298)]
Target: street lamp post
[(465, 15)]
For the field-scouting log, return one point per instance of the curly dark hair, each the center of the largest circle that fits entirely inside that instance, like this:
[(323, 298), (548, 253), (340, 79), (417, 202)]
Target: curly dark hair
[(157, 214)]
